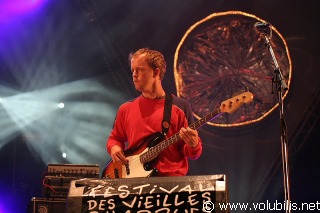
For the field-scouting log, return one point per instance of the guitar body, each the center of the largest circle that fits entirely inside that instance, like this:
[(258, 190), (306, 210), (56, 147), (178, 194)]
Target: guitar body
[(134, 168)]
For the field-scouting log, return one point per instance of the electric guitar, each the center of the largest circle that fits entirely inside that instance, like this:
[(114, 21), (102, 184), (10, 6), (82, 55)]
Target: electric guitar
[(141, 159)]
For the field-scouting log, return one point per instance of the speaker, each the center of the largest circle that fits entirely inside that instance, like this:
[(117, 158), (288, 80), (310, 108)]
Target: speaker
[(149, 195), (43, 205)]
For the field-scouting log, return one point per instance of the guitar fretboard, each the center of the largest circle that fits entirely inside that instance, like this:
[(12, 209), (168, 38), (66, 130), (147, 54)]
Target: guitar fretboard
[(154, 151)]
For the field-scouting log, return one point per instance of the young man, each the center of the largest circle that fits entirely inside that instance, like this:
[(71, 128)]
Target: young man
[(142, 117)]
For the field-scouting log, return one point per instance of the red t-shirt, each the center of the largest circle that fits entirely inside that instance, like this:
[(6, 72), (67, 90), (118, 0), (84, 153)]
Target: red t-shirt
[(138, 119)]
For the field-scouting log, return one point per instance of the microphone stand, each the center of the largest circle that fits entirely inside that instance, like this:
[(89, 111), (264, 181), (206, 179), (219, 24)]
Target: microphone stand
[(281, 86)]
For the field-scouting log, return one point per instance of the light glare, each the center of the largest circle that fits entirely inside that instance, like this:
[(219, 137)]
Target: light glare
[(61, 105), (79, 130)]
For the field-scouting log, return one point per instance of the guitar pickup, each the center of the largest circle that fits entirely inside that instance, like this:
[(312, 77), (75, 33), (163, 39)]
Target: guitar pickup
[(116, 173), (127, 169)]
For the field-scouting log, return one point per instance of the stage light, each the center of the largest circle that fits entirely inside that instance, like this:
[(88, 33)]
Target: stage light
[(43, 73), (14, 6), (79, 130), (61, 105), (50, 78), (12, 9), (64, 155)]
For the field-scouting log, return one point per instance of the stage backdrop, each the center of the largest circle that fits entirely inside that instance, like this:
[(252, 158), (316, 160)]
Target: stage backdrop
[(64, 72)]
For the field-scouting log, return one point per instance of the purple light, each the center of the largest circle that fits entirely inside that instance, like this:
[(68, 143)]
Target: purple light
[(11, 8), (20, 5), (4, 208), (9, 200)]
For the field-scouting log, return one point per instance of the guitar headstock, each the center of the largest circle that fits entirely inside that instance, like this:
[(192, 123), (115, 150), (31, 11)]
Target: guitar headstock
[(235, 102)]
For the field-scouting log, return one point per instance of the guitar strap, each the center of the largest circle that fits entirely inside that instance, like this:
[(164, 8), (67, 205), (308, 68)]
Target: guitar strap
[(166, 114)]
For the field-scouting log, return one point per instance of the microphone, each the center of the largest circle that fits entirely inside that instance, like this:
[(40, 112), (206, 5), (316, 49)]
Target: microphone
[(262, 27)]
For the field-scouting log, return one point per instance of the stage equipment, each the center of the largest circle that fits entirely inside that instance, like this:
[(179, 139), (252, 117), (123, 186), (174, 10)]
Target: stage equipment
[(281, 87), (207, 193), (43, 205), (57, 178)]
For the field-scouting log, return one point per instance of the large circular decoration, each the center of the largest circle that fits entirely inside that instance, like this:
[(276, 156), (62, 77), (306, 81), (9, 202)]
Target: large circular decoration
[(223, 56)]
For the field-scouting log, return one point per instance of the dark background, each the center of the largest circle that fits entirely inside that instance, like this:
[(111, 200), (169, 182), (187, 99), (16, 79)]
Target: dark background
[(62, 42)]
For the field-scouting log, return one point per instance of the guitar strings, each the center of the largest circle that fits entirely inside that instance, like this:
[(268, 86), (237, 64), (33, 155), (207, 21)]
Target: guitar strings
[(136, 159)]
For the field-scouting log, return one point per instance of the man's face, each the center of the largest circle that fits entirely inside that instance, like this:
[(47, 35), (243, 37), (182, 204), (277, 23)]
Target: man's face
[(143, 75)]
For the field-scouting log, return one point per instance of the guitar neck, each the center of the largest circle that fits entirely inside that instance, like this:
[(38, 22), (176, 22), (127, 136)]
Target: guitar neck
[(154, 151)]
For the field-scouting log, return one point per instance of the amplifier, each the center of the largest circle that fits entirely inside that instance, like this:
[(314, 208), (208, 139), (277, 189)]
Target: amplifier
[(73, 170), (57, 178), (42, 205), (207, 193), (56, 187)]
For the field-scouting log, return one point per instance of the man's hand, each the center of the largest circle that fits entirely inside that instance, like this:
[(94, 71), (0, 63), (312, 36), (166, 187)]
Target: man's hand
[(117, 155), (190, 136)]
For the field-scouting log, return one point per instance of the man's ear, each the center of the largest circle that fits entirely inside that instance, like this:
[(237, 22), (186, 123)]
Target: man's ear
[(156, 72)]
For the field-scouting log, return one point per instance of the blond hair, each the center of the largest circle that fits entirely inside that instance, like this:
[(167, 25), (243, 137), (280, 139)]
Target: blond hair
[(154, 58)]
